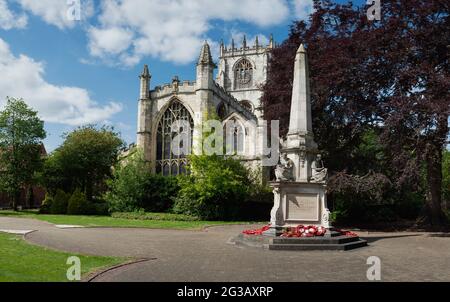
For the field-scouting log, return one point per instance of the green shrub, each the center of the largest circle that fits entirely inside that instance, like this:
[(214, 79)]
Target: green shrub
[(381, 213), (216, 189), (98, 207), (408, 205), (127, 187), (133, 187), (60, 203), (46, 204), (141, 215), (160, 192), (78, 204)]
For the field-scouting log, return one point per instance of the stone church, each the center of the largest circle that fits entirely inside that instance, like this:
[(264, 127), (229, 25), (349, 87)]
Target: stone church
[(234, 95)]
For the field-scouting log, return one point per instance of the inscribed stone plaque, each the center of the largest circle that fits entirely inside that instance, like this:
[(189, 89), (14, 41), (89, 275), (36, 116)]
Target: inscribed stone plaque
[(304, 207)]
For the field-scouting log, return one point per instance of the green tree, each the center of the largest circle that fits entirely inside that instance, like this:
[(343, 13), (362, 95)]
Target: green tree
[(21, 135), (84, 160), (216, 189), (127, 186), (133, 187)]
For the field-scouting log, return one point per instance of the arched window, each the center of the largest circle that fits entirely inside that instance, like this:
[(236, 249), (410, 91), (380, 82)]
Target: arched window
[(243, 74), (174, 140), (247, 105), (234, 136)]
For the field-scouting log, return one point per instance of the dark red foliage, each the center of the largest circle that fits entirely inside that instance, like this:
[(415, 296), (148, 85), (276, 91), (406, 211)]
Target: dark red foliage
[(390, 75)]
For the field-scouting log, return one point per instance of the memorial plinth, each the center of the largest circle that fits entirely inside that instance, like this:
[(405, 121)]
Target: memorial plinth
[(298, 203)]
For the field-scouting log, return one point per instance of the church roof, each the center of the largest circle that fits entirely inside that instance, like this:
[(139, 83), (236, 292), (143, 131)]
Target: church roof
[(205, 56)]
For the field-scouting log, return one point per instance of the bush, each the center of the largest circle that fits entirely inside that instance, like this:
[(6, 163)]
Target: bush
[(216, 189), (362, 213), (78, 204), (46, 204), (408, 205), (60, 203), (160, 192), (260, 201), (127, 187), (141, 215), (98, 207), (133, 187)]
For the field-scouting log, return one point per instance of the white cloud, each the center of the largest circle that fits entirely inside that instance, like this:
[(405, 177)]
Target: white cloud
[(172, 30), (23, 77), (59, 12), (113, 40), (303, 8), (9, 19)]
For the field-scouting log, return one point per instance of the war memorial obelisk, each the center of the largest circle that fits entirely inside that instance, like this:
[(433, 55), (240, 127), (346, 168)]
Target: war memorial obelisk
[(300, 188)]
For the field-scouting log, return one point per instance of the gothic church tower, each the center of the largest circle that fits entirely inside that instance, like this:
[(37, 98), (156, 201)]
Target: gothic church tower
[(242, 71)]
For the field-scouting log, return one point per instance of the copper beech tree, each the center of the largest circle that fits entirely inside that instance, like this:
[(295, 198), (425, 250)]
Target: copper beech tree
[(389, 76)]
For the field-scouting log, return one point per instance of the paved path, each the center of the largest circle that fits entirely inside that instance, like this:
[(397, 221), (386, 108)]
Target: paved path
[(206, 255)]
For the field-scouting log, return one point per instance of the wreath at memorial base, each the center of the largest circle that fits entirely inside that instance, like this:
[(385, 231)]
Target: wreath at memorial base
[(300, 231), (304, 231), (257, 231)]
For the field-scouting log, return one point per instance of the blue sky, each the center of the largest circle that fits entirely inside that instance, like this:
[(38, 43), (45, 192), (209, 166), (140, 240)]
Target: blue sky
[(86, 71)]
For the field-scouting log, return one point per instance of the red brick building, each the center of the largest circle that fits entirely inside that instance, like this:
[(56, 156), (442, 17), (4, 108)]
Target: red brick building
[(30, 197)]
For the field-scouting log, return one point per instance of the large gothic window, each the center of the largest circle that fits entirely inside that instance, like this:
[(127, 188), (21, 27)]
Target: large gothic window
[(234, 136), (174, 140), (243, 74)]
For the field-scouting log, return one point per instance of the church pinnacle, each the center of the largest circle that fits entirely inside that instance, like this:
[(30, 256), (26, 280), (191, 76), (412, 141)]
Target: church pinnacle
[(145, 83), (145, 73), (205, 56)]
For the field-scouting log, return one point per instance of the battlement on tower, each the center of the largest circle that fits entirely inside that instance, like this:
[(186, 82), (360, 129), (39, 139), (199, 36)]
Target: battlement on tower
[(245, 49), (174, 87)]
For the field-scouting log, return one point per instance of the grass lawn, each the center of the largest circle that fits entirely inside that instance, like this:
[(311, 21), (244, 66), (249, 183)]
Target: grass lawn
[(23, 262), (106, 221)]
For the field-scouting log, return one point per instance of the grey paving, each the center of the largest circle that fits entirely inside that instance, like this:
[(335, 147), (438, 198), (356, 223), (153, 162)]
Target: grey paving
[(206, 255)]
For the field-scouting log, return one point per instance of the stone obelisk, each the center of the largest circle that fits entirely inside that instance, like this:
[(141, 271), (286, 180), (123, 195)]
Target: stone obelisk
[(300, 189), (300, 145)]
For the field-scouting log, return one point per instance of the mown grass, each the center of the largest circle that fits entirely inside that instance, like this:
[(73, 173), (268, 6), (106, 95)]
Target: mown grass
[(23, 262), (107, 221)]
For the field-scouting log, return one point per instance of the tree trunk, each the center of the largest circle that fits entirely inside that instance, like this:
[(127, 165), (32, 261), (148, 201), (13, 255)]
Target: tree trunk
[(434, 188), (15, 200), (89, 190), (30, 197)]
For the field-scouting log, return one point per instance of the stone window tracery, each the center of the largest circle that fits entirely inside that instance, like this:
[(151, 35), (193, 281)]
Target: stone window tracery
[(243, 74), (234, 137), (176, 123)]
